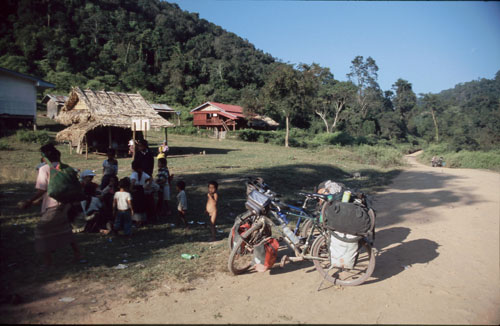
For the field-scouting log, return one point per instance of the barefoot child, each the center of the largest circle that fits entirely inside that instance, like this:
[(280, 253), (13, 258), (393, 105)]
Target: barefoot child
[(211, 209), (182, 202), (163, 180), (122, 207)]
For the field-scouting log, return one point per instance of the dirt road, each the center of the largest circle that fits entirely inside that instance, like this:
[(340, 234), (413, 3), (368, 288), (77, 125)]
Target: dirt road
[(438, 242)]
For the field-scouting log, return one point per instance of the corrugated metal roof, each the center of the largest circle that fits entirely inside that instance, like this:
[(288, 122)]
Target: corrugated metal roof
[(61, 99), (162, 107), (38, 81), (235, 111)]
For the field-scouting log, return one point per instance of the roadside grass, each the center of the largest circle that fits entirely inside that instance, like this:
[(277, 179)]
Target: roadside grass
[(463, 159), (153, 253)]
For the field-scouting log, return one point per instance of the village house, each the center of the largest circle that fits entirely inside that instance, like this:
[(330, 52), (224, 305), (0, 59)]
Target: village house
[(18, 94), (218, 116), (225, 117), (54, 104), (99, 120)]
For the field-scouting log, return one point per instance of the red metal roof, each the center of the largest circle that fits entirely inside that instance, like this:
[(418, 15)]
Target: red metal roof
[(231, 110)]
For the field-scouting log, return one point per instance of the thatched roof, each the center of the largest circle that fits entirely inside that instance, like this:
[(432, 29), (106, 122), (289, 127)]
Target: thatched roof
[(108, 109)]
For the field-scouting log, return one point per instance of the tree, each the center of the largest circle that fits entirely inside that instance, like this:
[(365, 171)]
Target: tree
[(405, 99), (283, 91), (433, 104), (364, 75)]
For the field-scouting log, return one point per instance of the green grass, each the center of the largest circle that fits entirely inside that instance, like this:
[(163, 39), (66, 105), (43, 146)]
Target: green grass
[(154, 253), (463, 159)]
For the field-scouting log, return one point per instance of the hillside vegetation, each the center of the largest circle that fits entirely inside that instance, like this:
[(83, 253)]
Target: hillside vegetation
[(172, 56)]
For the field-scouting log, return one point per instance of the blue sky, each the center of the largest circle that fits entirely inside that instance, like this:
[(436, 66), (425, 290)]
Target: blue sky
[(433, 45)]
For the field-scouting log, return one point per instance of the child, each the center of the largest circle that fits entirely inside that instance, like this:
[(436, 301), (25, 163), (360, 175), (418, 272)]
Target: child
[(138, 180), (107, 196), (109, 168), (182, 202), (211, 208), (122, 207), (90, 208), (163, 180)]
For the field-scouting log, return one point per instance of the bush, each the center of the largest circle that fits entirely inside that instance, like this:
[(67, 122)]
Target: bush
[(186, 130), (4, 145), (379, 155), (336, 138), (27, 136)]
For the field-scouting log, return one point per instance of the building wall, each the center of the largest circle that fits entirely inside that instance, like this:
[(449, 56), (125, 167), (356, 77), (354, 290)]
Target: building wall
[(52, 109), (17, 96)]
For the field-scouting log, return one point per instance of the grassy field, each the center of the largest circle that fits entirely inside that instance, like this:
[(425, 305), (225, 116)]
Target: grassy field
[(154, 253), (463, 159)]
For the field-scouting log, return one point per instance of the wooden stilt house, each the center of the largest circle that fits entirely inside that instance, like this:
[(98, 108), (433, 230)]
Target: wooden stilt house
[(99, 120), (222, 117)]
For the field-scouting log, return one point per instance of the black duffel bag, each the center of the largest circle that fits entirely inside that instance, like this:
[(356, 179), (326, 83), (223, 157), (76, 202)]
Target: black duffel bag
[(348, 218)]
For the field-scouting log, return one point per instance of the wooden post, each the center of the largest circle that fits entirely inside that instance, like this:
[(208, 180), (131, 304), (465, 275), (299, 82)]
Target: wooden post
[(86, 148), (109, 137), (145, 131), (133, 138), (70, 147)]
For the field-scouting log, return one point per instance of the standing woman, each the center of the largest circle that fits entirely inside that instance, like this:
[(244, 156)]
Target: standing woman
[(53, 230), (138, 179)]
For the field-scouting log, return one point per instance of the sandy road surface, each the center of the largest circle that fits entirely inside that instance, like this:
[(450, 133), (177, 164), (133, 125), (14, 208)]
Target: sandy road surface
[(438, 242)]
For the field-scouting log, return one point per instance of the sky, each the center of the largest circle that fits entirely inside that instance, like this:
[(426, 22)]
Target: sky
[(433, 45)]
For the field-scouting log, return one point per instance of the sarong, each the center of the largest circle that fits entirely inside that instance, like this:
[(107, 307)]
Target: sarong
[(53, 231)]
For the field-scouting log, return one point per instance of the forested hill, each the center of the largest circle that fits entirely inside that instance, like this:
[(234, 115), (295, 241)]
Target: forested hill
[(149, 46)]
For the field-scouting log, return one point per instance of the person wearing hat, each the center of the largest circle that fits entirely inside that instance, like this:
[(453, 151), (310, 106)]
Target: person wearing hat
[(86, 178), (145, 157)]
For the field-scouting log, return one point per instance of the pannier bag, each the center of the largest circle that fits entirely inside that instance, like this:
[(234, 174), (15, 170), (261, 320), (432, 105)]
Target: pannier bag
[(347, 218), (236, 236), (63, 184), (265, 254), (257, 202), (343, 254)]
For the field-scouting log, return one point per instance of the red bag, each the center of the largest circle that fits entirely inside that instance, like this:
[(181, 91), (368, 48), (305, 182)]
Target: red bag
[(241, 229), (265, 254)]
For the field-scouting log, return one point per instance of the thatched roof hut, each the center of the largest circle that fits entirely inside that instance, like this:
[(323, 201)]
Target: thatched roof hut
[(88, 111)]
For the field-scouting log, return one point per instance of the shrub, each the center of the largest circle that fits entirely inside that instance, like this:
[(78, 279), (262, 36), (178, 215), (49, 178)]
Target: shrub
[(379, 155), (28, 136), (4, 145), (336, 138)]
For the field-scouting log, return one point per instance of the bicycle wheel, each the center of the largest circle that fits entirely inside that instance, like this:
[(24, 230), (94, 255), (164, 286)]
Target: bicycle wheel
[(363, 268), (306, 228), (234, 230), (241, 255)]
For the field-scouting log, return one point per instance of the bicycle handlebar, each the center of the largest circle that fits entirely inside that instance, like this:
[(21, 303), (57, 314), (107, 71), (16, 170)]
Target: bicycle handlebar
[(315, 195)]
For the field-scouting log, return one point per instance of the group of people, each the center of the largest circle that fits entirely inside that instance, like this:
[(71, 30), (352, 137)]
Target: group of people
[(114, 205)]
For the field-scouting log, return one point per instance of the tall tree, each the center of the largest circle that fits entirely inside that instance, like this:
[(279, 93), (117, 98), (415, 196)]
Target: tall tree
[(432, 103), (405, 99), (364, 75), (284, 92)]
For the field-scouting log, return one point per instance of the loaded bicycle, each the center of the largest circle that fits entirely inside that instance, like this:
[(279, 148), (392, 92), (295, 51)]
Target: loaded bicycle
[(313, 238)]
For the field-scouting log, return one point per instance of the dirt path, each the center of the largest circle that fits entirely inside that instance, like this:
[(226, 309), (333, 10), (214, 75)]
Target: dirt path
[(438, 238)]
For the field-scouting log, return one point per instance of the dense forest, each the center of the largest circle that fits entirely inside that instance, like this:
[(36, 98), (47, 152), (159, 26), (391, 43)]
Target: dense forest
[(172, 56)]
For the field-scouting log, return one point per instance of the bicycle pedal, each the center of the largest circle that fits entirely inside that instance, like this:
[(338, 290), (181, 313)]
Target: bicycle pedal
[(283, 261)]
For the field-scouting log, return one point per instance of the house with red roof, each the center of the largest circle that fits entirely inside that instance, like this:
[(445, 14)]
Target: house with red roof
[(223, 117)]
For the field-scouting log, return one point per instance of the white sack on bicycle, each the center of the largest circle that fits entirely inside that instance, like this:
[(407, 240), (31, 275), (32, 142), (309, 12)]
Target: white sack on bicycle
[(343, 254)]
